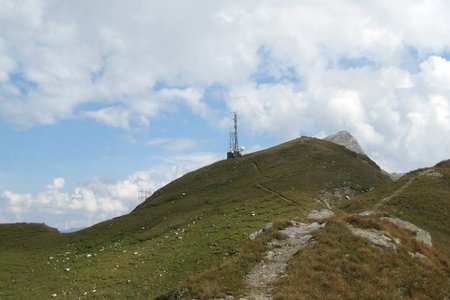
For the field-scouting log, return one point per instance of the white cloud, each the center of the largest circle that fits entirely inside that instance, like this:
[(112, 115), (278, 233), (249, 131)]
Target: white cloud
[(441, 110), (436, 74), (399, 116), (254, 148), (7, 65), (136, 111), (58, 183), (194, 160), (17, 203), (112, 116), (173, 144), (97, 200), (275, 108), (51, 198), (376, 68)]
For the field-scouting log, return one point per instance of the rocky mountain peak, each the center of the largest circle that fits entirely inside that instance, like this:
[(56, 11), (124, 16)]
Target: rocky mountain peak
[(344, 138)]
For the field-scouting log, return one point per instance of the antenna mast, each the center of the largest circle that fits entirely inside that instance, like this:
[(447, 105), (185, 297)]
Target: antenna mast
[(144, 194), (234, 143)]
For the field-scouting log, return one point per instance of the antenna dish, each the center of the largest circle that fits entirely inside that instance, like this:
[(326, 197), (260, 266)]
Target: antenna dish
[(242, 149)]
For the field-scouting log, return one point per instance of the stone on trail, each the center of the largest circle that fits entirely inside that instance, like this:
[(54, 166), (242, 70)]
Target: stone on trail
[(367, 213), (321, 214), (299, 229), (254, 235)]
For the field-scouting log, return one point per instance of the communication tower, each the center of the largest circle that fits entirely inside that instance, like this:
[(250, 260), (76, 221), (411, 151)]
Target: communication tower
[(235, 151), (144, 194)]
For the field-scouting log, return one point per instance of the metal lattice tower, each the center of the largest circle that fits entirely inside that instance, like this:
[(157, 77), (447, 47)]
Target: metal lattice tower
[(234, 143), (144, 194)]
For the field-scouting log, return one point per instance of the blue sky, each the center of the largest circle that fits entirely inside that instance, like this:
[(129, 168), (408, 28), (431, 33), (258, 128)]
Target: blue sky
[(101, 99)]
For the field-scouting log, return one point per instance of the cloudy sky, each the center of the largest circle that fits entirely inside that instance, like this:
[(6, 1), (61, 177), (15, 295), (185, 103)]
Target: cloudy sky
[(99, 99)]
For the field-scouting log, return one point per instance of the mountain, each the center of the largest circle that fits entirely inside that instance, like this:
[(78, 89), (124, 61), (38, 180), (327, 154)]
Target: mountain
[(191, 237), (344, 138)]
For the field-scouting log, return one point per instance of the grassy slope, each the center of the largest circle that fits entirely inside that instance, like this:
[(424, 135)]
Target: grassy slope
[(344, 266), (199, 220), (425, 202)]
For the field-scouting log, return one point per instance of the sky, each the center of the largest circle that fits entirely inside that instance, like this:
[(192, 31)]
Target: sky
[(101, 99)]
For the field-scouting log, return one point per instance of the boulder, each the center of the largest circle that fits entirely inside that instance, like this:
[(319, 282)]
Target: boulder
[(320, 214), (377, 237), (420, 234)]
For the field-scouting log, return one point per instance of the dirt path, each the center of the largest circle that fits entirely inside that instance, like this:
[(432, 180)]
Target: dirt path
[(256, 166), (261, 279), (401, 189), (277, 194)]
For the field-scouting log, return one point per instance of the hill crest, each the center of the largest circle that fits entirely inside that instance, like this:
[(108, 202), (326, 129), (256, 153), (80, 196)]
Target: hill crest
[(344, 138), (194, 223)]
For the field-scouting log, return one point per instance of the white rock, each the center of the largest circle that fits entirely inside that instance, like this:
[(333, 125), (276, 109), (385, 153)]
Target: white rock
[(377, 237), (421, 235), (300, 229), (345, 139), (267, 226), (320, 214), (254, 235), (417, 255), (366, 213), (270, 254)]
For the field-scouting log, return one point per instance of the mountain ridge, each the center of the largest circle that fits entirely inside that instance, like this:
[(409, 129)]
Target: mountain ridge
[(198, 223)]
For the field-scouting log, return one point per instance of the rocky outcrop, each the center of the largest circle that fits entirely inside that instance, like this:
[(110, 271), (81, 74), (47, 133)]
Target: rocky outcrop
[(377, 237), (420, 234), (344, 138), (254, 235), (336, 196)]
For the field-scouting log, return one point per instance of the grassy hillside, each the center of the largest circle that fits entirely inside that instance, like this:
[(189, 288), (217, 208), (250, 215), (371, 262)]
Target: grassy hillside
[(343, 266), (348, 267), (421, 197), (196, 222)]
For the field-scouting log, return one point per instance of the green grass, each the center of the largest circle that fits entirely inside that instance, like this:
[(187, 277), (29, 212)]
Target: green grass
[(226, 278), (342, 266), (198, 222), (426, 203)]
